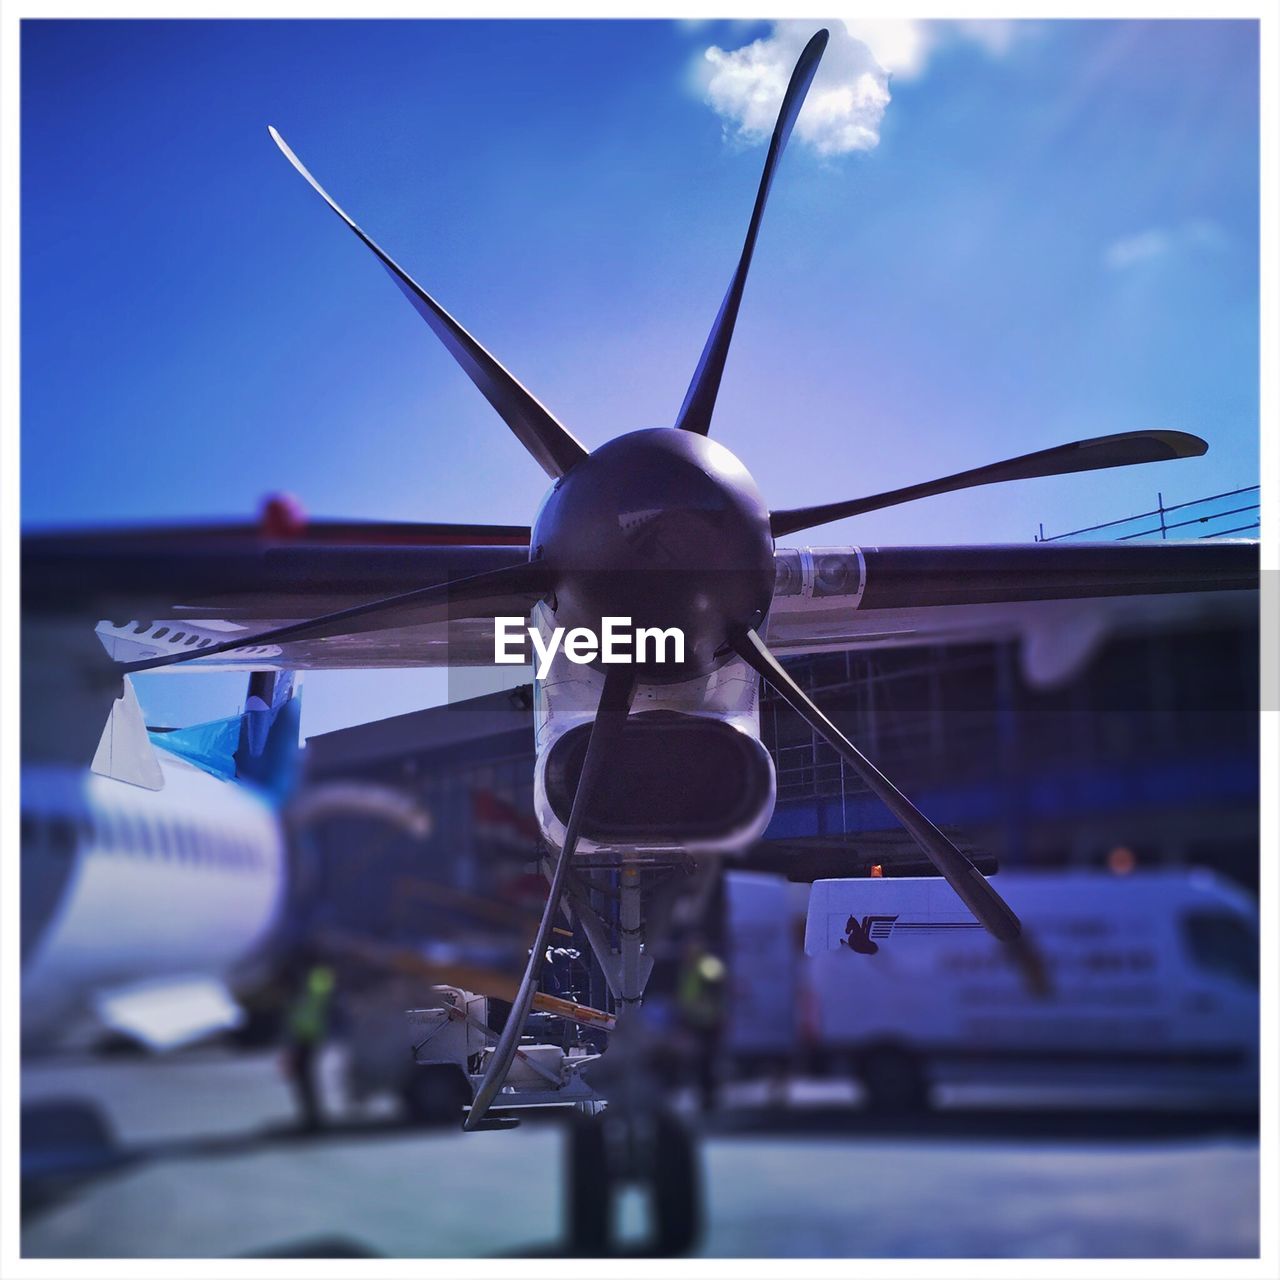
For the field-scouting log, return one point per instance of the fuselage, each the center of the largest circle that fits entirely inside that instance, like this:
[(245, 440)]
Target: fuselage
[(122, 885)]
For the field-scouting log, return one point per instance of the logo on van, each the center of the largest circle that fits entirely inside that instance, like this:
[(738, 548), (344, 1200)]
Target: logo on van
[(860, 935), (863, 935)]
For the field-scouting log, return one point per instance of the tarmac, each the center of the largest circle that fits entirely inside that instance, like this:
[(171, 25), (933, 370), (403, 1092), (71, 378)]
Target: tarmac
[(207, 1161)]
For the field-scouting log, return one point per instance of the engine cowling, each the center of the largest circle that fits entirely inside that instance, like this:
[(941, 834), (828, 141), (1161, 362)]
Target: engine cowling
[(690, 773)]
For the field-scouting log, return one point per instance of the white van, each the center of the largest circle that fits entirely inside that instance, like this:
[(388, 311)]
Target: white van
[(1153, 981)]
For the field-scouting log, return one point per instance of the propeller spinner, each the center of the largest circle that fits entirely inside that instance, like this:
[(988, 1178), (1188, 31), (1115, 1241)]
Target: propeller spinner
[(666, 528)]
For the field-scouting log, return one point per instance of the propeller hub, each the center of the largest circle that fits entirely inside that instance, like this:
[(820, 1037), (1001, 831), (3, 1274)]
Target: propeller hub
[(666, 528)]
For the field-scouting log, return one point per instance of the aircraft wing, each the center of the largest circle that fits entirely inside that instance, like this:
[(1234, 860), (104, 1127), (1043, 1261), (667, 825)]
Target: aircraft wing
[(1061, 600), (153, 592), (95, 598)]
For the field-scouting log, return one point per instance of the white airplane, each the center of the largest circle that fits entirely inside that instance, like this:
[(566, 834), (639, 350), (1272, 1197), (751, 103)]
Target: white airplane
[(145, 902), (155, 884)]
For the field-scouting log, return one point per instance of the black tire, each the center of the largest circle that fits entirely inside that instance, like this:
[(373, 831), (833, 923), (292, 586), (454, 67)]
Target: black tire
[(894, 1080), (588, 1195), (434, 1096), (676, 1189)]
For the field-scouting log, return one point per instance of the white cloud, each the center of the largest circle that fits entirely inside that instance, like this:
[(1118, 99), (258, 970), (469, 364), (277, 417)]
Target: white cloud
[(1159, 242), (851, 90)]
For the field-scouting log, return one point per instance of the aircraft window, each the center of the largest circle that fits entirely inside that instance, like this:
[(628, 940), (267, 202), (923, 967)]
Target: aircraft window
[(140, 627), (1222, 943), (192, 639), (178, 635), (206, 642), (62, 837), (159, 633), (124, 837)]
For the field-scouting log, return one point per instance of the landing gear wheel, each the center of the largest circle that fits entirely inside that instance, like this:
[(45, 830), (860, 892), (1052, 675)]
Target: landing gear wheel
[(654, 1152), (675, 1188), (588, 1188)]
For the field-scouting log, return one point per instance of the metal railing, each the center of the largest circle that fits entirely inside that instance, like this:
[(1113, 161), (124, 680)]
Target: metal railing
[(1164, 527)]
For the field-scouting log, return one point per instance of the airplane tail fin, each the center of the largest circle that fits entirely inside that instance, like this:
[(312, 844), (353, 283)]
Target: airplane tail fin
[(259, 745), (270, 732)]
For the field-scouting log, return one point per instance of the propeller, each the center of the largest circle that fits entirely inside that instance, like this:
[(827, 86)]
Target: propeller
[(1122, 450), (700, 399), (969, 884), (606, 733), (550, 444), (514, 589)]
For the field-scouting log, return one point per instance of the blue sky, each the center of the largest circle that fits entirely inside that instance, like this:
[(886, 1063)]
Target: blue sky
[(1055, 237)]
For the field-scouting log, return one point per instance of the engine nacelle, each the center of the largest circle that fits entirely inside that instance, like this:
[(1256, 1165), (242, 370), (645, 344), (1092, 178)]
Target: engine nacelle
[(690, 774)]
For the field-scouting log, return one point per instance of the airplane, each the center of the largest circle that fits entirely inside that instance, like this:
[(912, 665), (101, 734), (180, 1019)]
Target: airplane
[(145, 906), (156, 886), (643, 769)]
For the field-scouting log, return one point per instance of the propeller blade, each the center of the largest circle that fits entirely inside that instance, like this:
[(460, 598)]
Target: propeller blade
[(1123, 450), (550, 444), (700, 399), (606, 732), (970, 885), (511, 590), (1030, 963)]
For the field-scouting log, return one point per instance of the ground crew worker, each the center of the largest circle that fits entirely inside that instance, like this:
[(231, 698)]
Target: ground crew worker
[(306, 1029), (700, 998)]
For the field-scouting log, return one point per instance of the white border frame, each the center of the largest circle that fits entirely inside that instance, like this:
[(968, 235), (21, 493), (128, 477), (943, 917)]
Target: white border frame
[(1264, 1268)]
